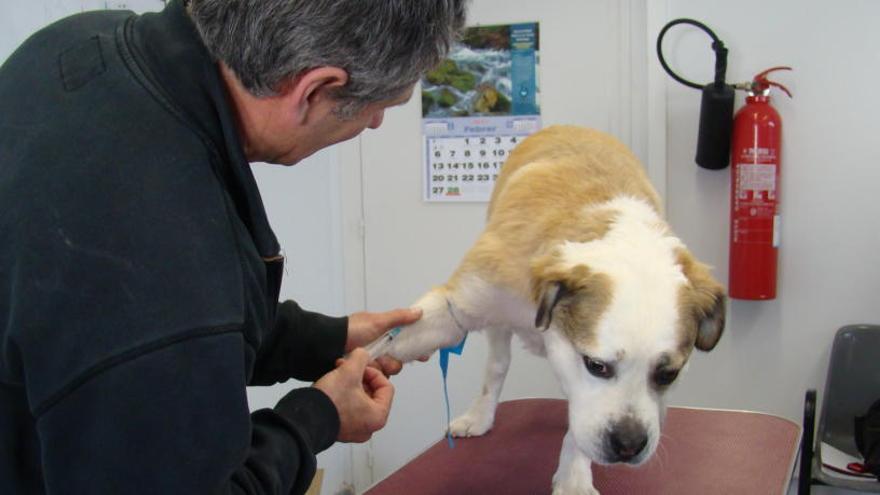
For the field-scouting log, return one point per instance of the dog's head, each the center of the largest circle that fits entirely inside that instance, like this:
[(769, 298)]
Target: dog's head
[(620, 320)]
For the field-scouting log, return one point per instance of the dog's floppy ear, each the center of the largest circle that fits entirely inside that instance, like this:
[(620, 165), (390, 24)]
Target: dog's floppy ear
[(706, 299), (551, 293), (711, 324), (549, 276), (554, 281)]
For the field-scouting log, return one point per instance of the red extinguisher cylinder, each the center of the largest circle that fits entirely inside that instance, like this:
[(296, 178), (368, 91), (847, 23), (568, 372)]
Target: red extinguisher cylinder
[(755, 220)]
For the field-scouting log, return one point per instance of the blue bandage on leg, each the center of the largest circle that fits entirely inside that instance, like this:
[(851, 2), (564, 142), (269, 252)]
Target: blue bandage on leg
[(444, 369)]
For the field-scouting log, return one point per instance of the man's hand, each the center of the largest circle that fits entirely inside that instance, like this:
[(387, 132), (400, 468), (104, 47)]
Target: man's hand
[(362, 396), (365, 327)]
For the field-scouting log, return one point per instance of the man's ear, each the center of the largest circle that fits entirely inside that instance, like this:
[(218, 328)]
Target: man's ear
[(310, 94)]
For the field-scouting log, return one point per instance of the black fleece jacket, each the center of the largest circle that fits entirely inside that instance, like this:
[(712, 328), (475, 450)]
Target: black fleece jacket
[(138, 297)]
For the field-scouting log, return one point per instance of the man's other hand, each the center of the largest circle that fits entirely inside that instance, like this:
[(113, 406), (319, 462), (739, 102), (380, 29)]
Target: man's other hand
[(362, 396)]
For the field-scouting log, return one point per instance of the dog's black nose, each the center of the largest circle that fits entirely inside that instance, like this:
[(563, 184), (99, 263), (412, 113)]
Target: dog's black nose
[(627, 439)]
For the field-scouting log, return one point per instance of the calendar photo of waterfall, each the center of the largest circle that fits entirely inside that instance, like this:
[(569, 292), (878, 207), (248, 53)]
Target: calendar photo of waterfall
[(492, 71)]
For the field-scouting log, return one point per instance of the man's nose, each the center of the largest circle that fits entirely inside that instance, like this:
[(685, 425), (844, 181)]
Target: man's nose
[(377, 119)]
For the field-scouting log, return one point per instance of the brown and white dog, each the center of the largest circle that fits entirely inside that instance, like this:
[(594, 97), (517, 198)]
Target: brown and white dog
[(577, 260)]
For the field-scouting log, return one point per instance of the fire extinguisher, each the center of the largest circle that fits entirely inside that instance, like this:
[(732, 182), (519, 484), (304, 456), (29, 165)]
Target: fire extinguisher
[(755, 158)]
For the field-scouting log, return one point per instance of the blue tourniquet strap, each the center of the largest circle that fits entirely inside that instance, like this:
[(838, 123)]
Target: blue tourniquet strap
[(444, 368)]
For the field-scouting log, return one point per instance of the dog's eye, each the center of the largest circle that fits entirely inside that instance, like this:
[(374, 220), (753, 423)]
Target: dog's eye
[(598, 368), (665, 377)]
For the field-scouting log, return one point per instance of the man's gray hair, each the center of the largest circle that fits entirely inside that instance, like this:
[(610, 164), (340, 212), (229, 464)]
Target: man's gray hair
[(384, 45)]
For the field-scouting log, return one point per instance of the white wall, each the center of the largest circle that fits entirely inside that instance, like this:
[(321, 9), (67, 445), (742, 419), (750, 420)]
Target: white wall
[(19, 19), (829, 275)]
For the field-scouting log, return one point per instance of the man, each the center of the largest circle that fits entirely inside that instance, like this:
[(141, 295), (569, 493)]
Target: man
[(139, 276)]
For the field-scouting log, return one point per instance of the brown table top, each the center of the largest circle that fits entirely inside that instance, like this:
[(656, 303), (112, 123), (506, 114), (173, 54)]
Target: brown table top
[(702, 451)]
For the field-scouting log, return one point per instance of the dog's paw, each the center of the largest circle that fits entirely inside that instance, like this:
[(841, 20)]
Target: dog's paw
[(575, 478), (424, 337), (574, 489), (471, 424), (413, 343)]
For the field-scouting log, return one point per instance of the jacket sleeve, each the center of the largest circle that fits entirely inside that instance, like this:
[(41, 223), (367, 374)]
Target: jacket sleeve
[(176, 420), (303, 345)]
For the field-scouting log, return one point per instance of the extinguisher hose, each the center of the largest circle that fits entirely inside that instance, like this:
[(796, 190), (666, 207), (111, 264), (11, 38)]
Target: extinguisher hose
[(717, 46)]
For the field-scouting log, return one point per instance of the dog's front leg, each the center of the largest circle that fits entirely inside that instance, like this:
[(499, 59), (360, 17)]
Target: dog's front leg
[(573, 476), (481, 415), (442, 324)]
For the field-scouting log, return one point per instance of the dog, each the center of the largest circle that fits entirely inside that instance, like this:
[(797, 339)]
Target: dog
[(577, 260)]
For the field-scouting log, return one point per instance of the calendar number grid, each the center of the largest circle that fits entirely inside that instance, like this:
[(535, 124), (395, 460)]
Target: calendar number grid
[(465, 168)]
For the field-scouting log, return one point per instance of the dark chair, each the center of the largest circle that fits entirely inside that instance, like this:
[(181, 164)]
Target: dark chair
[(852, 385)]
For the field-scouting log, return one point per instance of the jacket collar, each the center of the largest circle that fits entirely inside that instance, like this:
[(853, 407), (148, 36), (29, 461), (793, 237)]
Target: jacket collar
[(171, 51)]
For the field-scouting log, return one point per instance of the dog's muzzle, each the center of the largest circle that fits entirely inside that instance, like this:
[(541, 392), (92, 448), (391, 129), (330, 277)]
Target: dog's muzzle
[(625, 440)]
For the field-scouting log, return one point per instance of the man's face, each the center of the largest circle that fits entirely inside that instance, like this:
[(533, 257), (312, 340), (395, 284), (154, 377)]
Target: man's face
[(330, 129)]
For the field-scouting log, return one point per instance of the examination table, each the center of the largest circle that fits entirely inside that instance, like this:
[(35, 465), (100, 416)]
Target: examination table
[(702, 451)]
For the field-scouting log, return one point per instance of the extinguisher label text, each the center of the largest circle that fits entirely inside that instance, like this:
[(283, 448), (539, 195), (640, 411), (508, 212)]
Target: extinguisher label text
[(751, 154), (756, 182), (756, 177), (755, 217)]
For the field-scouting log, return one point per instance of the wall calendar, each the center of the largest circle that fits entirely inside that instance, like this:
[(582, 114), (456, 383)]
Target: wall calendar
[(477, 105)]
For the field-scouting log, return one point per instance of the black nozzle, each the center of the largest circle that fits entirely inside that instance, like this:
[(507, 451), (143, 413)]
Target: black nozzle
[(716, 124), (716, 109)]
